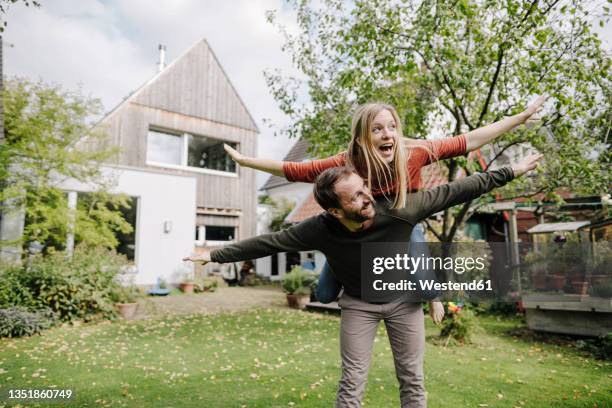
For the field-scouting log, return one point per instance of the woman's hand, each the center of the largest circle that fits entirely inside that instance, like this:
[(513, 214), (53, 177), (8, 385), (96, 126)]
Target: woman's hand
[(274, 167), (527, 164), (202, 258), (436, 311), (530, 115), (234, 154)]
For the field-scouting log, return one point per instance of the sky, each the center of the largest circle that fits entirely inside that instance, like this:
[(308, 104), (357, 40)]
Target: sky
[(110, 48)]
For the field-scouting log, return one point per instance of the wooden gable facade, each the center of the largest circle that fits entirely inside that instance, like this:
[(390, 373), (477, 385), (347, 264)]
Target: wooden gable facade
[(177, 123)]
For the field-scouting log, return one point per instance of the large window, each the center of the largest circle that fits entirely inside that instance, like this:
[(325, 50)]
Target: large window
[(164, 148), (186, 150), (214, 235), (208, 153)]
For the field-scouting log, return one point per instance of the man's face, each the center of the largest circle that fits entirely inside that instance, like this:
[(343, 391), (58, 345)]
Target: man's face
[(356, 201)]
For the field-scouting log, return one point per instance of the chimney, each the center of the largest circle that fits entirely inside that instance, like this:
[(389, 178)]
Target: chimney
[(162, 58)]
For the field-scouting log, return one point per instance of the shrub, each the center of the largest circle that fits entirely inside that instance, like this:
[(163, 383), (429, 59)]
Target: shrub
[(298, 281), (602, 289), (75, 288), (19, 321), (458, 324), (125, 294), (13, 292), (601, 347)]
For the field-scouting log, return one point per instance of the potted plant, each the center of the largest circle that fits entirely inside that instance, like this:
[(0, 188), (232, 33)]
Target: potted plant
[(126, 300), (207, 284), (187, 285), (296, 285), (556, 277)]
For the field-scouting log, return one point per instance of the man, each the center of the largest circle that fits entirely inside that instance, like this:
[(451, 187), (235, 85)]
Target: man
[(352, 218)]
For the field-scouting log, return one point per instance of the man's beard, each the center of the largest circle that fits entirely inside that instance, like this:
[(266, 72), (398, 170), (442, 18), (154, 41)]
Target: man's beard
[(356, 216)]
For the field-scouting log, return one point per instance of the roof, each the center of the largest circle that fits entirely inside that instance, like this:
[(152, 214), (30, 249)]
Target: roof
[(306, 209), (548, 227), (297, 153), (194, 84)]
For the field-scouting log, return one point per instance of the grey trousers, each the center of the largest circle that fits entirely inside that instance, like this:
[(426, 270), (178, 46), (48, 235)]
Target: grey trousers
[(405, 327)]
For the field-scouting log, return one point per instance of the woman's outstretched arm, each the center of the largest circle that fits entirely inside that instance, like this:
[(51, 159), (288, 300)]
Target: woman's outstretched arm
[(305, 172), (486, 134), (274, 167)]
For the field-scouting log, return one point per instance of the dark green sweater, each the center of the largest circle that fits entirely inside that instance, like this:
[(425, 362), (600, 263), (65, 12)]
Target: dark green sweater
[(342, 247)]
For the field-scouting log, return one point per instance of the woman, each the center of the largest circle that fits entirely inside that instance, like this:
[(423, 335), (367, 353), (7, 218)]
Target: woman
[(390, 171)]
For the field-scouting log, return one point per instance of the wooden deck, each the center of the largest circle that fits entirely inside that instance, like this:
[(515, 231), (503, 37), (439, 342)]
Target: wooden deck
[(568, 314)]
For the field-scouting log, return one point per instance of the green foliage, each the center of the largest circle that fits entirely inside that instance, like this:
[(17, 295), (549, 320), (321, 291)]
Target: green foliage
[(281, 207), (80, 287), (206, 284), (602, 289), (457, 66), (601, 347), (298, 281), (125, 294), (19, 321), (458, 327), (44, 144)]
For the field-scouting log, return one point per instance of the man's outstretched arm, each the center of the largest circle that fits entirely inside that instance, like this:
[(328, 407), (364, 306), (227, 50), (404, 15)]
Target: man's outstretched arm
[(300, 237), (425, 203)]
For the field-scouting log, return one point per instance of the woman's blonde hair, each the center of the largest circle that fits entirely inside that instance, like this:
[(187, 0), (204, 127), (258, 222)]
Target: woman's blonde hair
[(362, 155), (364, 158)]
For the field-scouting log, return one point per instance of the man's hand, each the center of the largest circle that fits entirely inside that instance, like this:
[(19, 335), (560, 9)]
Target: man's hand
[(529, 115), (234, 154), (202, 258), (436, 311), (527, 164)]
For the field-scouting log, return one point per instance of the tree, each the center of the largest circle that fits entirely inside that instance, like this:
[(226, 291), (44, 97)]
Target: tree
[(458, 65), (43, 126), (5, 4), (280, 209)]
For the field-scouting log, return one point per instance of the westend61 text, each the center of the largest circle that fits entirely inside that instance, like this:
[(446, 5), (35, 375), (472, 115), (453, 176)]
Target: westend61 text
[(432, 285)]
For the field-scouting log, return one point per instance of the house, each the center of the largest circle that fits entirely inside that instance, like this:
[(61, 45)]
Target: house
[(187, 193)]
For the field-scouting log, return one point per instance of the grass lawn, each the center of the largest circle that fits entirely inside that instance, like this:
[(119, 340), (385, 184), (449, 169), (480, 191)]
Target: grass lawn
[(279, 357)]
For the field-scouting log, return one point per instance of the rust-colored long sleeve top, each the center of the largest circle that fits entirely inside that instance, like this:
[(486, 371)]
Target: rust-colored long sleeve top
[(417, 158)]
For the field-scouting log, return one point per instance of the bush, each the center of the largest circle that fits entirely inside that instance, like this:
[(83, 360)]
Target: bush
[(125, 294), (603, 289), (77, 288), (19, 321), (458, 324), (600, 347), (13, 292), (298, 281)]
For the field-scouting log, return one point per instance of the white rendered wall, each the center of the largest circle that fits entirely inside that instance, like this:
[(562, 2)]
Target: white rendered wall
[(161, 197)]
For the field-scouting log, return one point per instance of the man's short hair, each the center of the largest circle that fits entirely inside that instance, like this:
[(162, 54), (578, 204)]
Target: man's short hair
[(324, 192)]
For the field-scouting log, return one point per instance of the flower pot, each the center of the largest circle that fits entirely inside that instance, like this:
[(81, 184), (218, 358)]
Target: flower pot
[(297, 301), (127, 310), (556, 282), (580, 287), (187, 287), (539, 281)]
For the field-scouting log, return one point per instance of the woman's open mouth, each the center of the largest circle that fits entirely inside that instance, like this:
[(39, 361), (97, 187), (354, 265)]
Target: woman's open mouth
[(386, 149)]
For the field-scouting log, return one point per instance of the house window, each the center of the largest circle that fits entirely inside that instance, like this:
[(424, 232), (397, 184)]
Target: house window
[(214, 235), (208, 153), (164, 148), (190, 151)]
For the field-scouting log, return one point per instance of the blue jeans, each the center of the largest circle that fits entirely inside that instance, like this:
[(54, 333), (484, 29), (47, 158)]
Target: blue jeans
[(328, 287)]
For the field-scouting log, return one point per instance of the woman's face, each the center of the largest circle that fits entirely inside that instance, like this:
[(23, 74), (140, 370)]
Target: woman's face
[(383, 133)]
